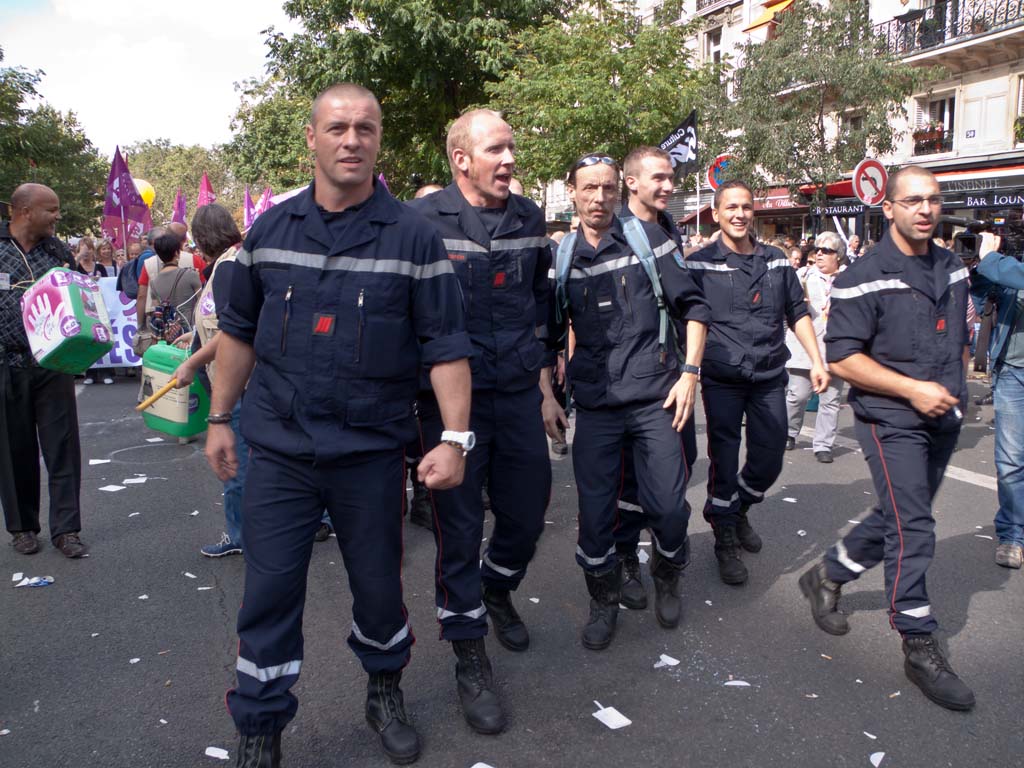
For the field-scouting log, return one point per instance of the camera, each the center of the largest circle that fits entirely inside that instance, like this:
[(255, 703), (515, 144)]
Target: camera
[(1009, 228)]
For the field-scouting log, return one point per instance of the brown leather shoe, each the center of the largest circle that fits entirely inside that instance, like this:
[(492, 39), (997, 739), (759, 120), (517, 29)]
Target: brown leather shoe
[(70, 545), (25, 543)]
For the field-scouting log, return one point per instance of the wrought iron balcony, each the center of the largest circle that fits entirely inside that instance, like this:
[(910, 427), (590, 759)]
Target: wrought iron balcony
[(948, 22), (932, 142)]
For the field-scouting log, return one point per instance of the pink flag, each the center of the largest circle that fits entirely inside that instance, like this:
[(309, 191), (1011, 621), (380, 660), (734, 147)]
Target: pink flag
[(265, 203), (180, 208), (248, 209), (206, 195), (125, 214), (382, 180)]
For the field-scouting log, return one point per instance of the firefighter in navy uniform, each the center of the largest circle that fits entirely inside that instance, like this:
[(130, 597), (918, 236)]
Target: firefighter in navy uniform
[(754, 294), (336, 298), (648, 174), (497, 245), (628, 383), (897, 331)]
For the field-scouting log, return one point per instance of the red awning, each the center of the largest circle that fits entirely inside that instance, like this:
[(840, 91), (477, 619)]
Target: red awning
[(842, 188), (690, 218)]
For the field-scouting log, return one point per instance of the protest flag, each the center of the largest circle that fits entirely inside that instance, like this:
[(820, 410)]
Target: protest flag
[(248, 209), (125, 214), (206, 195), (681, 145), (180, 208)]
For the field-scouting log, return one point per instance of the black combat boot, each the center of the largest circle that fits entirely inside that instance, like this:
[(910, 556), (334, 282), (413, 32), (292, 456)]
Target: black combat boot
[(927, 668), (749, 539), (604, 608), (505, 619), (667, 607), (261, 750), (422, 511), (824, 595), (385, 712), (480, 704), (632, 592), (731, 569)]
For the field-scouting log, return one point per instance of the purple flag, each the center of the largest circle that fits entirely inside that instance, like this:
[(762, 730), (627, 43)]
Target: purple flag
[(206, 195), (180, 208), (382, 180), (249, 209), (125, 214), (265, 203)]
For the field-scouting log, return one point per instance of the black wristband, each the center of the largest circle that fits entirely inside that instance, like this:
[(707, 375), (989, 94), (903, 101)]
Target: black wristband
[(218, 418)]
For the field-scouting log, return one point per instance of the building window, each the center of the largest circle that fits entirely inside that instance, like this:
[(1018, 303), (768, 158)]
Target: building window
[(934, 124), (713, 46)]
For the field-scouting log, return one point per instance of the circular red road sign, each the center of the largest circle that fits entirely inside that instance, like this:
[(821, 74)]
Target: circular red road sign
[(869, 178), (717, 168)]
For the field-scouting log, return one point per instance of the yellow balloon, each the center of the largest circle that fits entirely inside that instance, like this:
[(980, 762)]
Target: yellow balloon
[(146, 191)]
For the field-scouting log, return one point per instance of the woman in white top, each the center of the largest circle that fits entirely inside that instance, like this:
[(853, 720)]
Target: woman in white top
[(829, 259)]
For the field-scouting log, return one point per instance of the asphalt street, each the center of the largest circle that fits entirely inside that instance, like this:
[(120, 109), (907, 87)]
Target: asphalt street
[(124, 660)]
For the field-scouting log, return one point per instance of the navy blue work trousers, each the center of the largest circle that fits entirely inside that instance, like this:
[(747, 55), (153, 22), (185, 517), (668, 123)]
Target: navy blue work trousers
[(907, 466), (631, 514), (661, 473), (282, 507), (763, 403), (511, 453)]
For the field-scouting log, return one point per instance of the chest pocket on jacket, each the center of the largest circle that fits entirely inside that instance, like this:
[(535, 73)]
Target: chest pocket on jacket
[(281, 333), (381, 341), (903, 315), (718, 288)]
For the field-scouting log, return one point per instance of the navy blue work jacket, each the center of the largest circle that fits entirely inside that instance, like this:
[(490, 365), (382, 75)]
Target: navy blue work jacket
[(664, 221), (504, 283), (753, 297), (618, 359), (340, 328), (895, 313)]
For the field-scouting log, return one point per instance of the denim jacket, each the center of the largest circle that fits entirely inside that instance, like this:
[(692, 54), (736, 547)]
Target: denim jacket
[(1001, 276)]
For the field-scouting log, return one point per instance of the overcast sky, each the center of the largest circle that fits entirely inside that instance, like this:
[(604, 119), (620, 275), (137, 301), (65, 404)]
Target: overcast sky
[(142, 69)]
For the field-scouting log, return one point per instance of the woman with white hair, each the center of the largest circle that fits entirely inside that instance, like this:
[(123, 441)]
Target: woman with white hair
[(827, 260)]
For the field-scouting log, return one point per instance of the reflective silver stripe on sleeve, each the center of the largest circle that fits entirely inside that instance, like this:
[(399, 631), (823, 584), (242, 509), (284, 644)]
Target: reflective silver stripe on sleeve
[(476, 613), (398, 637), (551, 274), (748, 489), (960, 274), (266, 674), (664, 552), (594, 560), (244, 258), (630, 507), (777, 263), (351, 264), (918, 613), (464, 245), (667, 247), (844, 559), (724, 502), (865, 288), (497, 568), (709, 266), (518, 243)]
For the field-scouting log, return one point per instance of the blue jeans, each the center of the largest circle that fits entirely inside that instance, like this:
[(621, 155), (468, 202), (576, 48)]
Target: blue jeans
[(1009, 404), (233, 487)]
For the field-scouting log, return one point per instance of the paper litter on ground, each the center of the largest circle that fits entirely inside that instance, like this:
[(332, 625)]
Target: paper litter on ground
[(789, 500), (217, 752), (979, 527), (158, 440), (534, 599), (202, 589), (707, 602), (737, 683), (810, 695), (801, 532), (5, 732), (665, 661), (134, 480), (876, 758), (611, 717), (825, 656), (162, 721), (858, 680), (143, 597), (134, 514), (870, 735), (35, 581), (481, 765), (95, 634), (188, 575), (112, 488), (642, 556), (983, 536), (894, 695), (18, 576), (134, 661), (94, 462), (193, 513), (854, 522)]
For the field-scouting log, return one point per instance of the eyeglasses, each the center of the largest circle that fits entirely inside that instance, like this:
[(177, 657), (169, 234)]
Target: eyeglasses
[(935, 201), (827, 251), (589, 160)]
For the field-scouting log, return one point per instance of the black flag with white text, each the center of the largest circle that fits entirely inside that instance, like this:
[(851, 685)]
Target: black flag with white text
[(681, 145)]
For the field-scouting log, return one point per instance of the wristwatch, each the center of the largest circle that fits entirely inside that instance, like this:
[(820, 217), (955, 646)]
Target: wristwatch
[(694, 369), (464, 441)]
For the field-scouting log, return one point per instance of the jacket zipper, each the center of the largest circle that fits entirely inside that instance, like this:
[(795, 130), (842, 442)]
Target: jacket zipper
[(625, 295), (362, 319), (287, 315)]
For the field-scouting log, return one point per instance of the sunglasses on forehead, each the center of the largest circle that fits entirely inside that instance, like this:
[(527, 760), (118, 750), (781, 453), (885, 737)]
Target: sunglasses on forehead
[(589, 160)]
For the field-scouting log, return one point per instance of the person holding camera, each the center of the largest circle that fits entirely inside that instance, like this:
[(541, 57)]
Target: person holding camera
[(1001, 277)]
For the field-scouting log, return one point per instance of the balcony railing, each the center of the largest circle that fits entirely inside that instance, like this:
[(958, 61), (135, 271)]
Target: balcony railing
[(932, 142), (948, 22)]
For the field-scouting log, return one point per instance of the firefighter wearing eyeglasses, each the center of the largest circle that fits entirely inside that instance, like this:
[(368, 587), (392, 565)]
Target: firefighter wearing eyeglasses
[(898, 334)]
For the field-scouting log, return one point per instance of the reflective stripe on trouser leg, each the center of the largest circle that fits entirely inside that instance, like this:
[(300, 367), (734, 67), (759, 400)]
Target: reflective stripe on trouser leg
[(907, 467), (859, 550), (723, 407), (597, 464), (519, 486), (766, 438), (630, 515), (661, 479), (277, 552)]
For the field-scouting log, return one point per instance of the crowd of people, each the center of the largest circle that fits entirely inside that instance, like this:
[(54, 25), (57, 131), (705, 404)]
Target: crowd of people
[(362, 330)]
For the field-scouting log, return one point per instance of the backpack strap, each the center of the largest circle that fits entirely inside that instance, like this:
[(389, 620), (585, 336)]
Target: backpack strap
[(563, 260), (641, 245)]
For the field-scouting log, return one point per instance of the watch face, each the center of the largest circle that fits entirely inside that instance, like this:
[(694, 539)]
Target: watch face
[(470, 441)]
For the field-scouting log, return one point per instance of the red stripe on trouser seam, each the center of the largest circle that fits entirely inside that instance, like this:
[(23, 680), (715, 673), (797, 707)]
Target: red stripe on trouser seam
[(437, 522), (622, 485), (711, 464), (401, 561), (899, 528)]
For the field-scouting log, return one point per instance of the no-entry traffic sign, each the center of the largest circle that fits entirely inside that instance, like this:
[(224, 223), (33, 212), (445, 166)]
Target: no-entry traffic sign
[(717, 169), (869, 178)]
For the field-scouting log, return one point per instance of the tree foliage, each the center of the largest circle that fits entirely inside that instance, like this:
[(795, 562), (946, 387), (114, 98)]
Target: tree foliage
[(426, 60), (170, 167), (813, 100), (48, 147), (603, 82)]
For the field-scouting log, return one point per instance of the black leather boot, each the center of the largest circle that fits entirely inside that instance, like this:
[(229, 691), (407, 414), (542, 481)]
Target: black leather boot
[(731, 569), (667, 607), (508, 626), (632, 592), (927, 668), (261, 750), (385, 712), (480, 704), (749, 539), (824, 595), (421, 512), (604, 608)]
